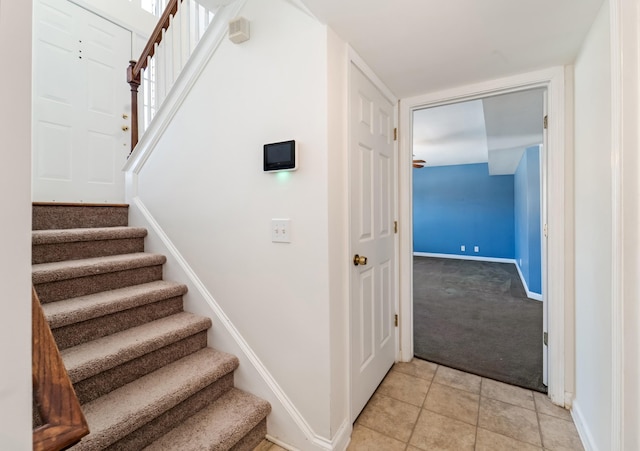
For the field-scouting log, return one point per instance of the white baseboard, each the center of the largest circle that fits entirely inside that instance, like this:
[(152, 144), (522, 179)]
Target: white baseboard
[(530, 294), (583, 430), (465, 257)]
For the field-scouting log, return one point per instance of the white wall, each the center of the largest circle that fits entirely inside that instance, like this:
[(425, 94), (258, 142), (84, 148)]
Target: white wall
[(15, 239), (592, 406), (205, 188)]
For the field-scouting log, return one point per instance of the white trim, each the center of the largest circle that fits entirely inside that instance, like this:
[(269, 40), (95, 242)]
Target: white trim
[(554, 80), (340, 440), (583, 431), (197, 62), (175, 255), (617, 251), (465, 257), (530, 294), (625, 287)]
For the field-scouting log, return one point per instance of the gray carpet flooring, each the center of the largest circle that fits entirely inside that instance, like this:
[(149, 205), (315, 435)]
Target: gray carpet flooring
[(476, 317)]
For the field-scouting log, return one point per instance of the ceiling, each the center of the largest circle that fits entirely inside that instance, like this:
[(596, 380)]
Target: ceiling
[(493, 130), (421, 46)]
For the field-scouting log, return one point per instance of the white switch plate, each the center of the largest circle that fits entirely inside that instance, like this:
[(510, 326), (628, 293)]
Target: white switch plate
[(476, 249), (462, 248), (281, 230)]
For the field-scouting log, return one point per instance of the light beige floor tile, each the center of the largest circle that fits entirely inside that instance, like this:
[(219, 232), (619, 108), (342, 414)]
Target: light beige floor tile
[(405, 388), (453, 403), (389, 417), (506, 419), (544, 405), (490, 441), (457, 379), (508, 393), (263, 446), (275, 447), (437, 432), (365, 439), (418, 368), (413, 448), (559, 435)]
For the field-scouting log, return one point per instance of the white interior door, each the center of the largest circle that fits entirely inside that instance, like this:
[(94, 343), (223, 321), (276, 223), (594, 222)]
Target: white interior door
[(373, 177), (81, 104)]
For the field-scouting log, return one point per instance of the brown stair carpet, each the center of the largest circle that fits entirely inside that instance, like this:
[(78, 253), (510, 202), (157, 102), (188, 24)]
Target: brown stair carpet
[(140, 365)]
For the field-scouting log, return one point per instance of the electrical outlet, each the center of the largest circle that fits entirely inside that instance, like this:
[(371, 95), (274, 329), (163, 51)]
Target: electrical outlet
[(476, 248), (281, 230), (463, 248)]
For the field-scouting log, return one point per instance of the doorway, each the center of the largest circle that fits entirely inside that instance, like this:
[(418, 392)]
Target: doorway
[(478, 301), (553, 162)]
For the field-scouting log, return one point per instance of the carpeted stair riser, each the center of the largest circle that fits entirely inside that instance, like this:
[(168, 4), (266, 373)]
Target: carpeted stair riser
[(95, 386), (222, 425), (82, 332), (159, 426), (252, 439), (178, 386), (74, 244), (56, 291), (62, 280), (45, 253), (76, 216)]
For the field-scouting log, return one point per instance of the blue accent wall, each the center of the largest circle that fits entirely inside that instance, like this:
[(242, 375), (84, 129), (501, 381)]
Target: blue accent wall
[(527, 219), (463, 205)]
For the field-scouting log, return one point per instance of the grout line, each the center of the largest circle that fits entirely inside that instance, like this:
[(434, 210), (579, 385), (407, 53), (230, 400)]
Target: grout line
[(475, 443), (535, 405)]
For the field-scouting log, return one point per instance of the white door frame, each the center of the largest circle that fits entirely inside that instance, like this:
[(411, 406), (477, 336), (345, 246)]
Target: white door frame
[(354, 58), (554, 80)]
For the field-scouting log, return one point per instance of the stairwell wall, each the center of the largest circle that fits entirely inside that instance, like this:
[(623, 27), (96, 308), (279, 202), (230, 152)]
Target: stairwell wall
[(15, 239), (204, 188)]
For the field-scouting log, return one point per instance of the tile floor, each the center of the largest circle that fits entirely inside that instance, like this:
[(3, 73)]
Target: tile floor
[(424, 406)]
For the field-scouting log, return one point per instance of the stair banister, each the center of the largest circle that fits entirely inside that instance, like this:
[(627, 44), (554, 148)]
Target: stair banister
[(136, 67), (64, 423)]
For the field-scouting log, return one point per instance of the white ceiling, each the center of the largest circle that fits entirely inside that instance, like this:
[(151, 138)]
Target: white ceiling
[(495, 130), (419, 46)]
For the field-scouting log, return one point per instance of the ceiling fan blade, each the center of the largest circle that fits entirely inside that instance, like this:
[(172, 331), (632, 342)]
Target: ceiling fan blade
[(418, 166), (419, 161)]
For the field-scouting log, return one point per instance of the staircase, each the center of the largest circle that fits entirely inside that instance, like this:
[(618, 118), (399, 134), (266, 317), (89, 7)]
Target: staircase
[(139, 364)]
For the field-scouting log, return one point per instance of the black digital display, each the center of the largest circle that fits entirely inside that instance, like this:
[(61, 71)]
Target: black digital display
[(280, 156)]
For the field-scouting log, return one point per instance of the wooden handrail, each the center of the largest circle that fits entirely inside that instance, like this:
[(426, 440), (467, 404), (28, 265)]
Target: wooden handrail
[(136, 67), (64, 423)]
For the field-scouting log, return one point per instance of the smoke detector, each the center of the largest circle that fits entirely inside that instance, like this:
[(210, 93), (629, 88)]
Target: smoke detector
[(238, 30)]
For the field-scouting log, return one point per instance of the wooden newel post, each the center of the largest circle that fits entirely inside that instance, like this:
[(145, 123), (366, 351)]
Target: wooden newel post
[(133, 79)]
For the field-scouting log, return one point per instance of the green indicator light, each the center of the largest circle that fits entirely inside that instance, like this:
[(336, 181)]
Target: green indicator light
[(283, 176)]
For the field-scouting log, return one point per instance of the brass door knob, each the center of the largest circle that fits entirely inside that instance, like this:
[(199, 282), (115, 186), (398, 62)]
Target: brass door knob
[(359, 260), (125, 128)]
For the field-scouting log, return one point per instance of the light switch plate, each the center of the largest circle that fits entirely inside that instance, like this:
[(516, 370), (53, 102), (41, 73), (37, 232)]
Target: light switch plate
[(281, 230)]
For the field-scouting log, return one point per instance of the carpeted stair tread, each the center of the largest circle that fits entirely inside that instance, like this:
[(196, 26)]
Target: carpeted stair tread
[(86, 234), (217, 427), (68, 216), (127, 408), (69, 269), (83, 308), (91, 358)]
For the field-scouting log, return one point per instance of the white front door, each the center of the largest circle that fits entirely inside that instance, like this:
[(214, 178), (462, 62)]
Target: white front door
[(81, 104), (372, 184)]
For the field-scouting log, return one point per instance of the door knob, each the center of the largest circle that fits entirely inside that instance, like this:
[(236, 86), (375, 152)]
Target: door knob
[(125, 128), (359, 260)]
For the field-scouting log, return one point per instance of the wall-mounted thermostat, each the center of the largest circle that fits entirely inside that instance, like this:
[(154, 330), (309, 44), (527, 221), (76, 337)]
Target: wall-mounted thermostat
[(281, 156)]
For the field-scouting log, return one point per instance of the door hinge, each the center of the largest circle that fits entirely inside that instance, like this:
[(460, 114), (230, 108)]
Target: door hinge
[(396, 320), (395, 134), (395, 226), (545, 338), (545, 231), (545, 122)]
